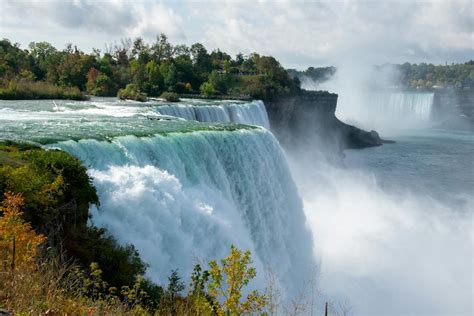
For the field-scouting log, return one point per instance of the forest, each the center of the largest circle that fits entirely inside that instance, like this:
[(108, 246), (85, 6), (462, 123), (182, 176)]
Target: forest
[(135, 69)]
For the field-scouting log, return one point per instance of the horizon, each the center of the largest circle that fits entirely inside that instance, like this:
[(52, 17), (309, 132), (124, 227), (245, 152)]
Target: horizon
[(361, 32)]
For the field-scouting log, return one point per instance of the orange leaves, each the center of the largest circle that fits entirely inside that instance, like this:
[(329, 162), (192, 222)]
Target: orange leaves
[(18, 241)]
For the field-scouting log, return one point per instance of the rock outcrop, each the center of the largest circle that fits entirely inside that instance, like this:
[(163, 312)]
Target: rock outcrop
[(309, 119)]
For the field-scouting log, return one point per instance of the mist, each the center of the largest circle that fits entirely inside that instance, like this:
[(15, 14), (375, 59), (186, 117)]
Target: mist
[(397, 242), (382, 252), (370, 98)]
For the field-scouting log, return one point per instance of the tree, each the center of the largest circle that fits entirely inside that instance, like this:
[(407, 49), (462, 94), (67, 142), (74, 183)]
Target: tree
[(171, 78), (175, 287), (18, 241), (207, 89), (162, 49), (228, 281), (154, 84), (219, 81), (202, 62), (99, 84)]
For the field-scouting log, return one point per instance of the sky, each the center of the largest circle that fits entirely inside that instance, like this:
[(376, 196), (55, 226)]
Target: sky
[(298, 33)]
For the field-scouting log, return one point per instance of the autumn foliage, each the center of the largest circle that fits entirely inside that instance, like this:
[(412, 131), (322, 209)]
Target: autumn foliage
[(18, 241)]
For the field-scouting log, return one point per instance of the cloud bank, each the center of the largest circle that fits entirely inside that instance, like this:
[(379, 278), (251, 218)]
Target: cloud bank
[(298, 33)]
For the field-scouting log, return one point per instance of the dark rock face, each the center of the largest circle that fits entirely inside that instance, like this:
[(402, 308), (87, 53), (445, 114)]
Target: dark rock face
[(309, 119)]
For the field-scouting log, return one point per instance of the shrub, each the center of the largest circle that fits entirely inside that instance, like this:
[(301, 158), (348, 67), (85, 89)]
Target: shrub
[(18, 241), (207, 89), (170, 96), (20, 90), (131, 92), (57, 194)]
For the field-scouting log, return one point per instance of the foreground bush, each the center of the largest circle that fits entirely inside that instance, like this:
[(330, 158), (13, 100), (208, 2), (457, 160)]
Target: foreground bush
[(57, 194), (19, 90), (131, 92), (31, 285)]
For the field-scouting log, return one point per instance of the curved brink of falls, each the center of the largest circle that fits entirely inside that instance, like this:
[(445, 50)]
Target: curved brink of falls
[(252, 113), (183, 197)]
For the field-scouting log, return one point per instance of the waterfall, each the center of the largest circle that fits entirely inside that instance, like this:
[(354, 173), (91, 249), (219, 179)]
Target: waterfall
[(403, 105), (253, 113), (386, 112), (181, 191), (185, 198)]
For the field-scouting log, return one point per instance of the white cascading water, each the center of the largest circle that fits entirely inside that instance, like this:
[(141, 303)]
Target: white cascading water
[(252, 113), (403, 105), (386, 112), (186, 197)]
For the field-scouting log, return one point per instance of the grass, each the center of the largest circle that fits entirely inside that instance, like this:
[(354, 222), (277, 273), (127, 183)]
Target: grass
[(25, 90)]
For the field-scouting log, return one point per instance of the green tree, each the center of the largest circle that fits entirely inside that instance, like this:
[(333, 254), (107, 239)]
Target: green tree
[(219, 81), (228, 281), (155, 82), (207, 89), (171, 77)]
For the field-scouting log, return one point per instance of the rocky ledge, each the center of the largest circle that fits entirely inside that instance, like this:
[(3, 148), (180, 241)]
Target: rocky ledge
[(309, 118)]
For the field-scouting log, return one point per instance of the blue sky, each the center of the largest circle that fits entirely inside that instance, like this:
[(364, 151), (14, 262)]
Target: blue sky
[(298, 33)]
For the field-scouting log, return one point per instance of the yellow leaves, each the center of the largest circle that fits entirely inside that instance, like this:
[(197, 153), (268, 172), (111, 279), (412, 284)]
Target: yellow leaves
[(18, 241), (237, 271)]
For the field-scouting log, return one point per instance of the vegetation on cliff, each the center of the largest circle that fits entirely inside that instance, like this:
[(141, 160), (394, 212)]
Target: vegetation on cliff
[(137, 69), (57, 193), (35, 283)]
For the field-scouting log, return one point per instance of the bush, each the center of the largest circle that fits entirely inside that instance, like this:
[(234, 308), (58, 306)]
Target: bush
[(131, 92), (207, 89), (170, 96), (21, 90), (57, 194)]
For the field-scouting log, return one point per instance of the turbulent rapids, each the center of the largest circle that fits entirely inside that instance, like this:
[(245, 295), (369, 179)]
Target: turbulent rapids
[(182, 192)]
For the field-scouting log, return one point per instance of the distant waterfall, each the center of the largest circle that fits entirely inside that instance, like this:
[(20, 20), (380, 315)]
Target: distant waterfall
[(386, 112), (417, 106), (252, 113), (188, 196)]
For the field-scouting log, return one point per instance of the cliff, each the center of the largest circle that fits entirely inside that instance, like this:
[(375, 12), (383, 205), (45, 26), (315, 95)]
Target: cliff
[(309, 119)]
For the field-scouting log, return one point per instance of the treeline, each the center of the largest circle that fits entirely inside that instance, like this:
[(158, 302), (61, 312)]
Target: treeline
[(429, 76), (405, 76), (145, 69)]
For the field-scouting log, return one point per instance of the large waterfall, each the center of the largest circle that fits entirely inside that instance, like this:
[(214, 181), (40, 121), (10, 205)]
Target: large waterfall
[(180, 191), (253, 113), (188, 196)]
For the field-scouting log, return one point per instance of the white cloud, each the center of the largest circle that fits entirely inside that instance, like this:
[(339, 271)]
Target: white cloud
[(298, 33), (327, 32), (94, 21)]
